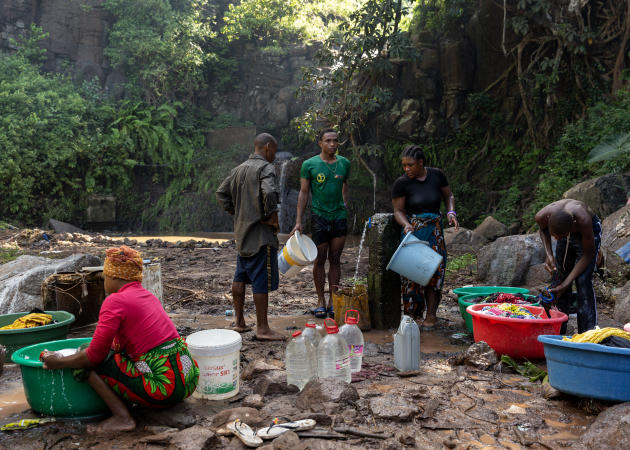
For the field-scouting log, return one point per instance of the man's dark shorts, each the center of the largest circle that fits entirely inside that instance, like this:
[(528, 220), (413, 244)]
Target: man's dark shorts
[(260, 270), (324, 230)]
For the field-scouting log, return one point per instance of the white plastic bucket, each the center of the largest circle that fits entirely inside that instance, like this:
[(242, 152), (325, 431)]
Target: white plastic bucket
[(218, 354), (299, 251), (415, 259)]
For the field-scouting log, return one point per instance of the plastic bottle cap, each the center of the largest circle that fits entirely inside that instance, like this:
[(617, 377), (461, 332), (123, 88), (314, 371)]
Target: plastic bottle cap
[(310, 325), (331, 329), (352, 320), (296, 334)]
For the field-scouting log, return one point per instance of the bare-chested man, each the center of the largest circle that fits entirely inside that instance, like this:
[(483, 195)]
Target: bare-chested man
[(578, 233)]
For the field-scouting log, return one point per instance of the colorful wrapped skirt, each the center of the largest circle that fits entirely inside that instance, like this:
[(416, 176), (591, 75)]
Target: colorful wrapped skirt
[(427, 227), (161, 377)]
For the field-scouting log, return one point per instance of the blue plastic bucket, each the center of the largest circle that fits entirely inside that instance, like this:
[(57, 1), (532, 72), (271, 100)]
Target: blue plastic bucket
[(588, 370), (415, 259)]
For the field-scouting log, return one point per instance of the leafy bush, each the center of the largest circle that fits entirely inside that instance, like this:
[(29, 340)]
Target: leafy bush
[(161, 46), (44, 140), (284, 21), (467, 260), (567, 163)]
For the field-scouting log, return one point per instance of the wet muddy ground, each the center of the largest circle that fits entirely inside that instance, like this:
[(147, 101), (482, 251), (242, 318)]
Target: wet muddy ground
[(442, 406)]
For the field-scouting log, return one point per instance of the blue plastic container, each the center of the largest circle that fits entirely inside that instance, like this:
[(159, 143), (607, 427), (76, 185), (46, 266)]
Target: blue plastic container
[(588, 370), (415, 260)]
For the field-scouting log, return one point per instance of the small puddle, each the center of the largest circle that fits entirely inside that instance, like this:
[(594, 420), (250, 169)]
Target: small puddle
[(12, 399), (565, 431), (562, 436)]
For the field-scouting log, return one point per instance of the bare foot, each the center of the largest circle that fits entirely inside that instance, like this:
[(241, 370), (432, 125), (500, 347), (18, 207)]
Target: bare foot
[(240, 327), (113, 424), (269, 335), (429, 323)]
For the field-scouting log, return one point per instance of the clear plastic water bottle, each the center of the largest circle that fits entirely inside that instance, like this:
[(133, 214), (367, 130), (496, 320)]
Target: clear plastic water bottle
[(407, 345), (300, 360), (333, 357), (354, 338), (311, 333)]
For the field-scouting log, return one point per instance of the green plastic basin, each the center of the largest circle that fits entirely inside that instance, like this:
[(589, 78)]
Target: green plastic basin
[(487, 290), (16, 339), (463, 304), (56, 392)]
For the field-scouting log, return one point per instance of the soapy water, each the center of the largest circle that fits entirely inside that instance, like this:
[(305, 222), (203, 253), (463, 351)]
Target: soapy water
[(67, 351)]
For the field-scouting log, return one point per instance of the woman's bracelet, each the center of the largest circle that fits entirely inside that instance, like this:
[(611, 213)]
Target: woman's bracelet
[(452, 212)]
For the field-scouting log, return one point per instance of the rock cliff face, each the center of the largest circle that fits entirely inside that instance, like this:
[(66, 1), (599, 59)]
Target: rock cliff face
[(429, 96), (77, 33), (264, 86)]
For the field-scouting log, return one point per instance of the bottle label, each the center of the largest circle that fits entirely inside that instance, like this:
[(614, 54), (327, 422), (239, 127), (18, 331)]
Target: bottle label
[(341, 364), (355, 350)]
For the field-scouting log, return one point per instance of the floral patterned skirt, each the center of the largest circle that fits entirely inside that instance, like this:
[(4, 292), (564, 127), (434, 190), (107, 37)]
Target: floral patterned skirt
[(161, 377), (427, 227)]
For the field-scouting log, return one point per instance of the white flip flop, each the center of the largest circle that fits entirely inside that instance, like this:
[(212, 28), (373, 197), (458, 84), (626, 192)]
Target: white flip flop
[(277, 429), (244, 432)]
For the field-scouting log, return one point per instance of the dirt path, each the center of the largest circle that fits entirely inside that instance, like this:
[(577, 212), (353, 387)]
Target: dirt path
[(443, 405)]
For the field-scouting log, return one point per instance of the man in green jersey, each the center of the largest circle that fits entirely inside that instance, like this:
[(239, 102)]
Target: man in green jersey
[(325, 176)]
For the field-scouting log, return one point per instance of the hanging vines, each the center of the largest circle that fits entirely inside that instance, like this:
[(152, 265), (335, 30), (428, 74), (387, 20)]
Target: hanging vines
[(578, 47)]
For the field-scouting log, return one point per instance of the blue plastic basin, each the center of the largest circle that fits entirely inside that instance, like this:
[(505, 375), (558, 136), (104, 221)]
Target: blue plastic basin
[(588, 370)]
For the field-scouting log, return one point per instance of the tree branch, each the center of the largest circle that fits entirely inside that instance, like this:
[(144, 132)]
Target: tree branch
[(621, 54)]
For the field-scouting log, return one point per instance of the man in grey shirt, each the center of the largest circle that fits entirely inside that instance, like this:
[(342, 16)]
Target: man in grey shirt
[(249, 193)]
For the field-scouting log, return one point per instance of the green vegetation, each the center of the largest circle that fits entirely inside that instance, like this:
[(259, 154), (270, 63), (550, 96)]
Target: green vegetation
[(62, 140), (7, 255), (161, 46), (511, 163), (360, 52), (275, 22), (465, 261), (526, 369)]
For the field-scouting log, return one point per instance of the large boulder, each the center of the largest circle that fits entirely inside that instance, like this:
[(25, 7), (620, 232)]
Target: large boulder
[(537, 276), (506, 261), (611, 429), (616, 234), (490, 229), (21, 279), (604, 195), (622, 303), (63, 227), (616, 229), (458, 242)]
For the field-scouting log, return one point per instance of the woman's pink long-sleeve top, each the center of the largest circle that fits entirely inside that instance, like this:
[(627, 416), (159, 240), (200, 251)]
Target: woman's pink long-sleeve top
[(131, 320)]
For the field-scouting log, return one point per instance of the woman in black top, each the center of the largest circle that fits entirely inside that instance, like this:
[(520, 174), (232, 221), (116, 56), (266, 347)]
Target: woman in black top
[(416, 198)]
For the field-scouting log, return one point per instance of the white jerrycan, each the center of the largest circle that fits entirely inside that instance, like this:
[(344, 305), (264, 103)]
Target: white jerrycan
[(407, 345)]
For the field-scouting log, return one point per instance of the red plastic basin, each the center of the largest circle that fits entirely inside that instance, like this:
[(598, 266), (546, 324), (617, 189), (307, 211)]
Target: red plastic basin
[(517, 338)]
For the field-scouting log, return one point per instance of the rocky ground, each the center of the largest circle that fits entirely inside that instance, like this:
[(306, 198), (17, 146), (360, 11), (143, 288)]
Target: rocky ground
[(461, 398)]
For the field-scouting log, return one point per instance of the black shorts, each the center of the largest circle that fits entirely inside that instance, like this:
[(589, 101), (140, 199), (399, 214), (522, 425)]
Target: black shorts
[(260, 270), (324, 230)]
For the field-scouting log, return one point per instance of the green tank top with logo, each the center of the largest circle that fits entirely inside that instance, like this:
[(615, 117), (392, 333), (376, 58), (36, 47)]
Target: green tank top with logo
[(326, 185)]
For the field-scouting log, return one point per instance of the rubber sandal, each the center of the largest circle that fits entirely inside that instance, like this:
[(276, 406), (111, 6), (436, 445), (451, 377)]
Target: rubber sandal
[(277, 429), (244, 433), (320, 312), (330, 312)]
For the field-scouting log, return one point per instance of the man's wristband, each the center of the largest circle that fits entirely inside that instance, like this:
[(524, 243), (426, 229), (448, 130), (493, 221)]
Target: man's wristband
[(451, 212)]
